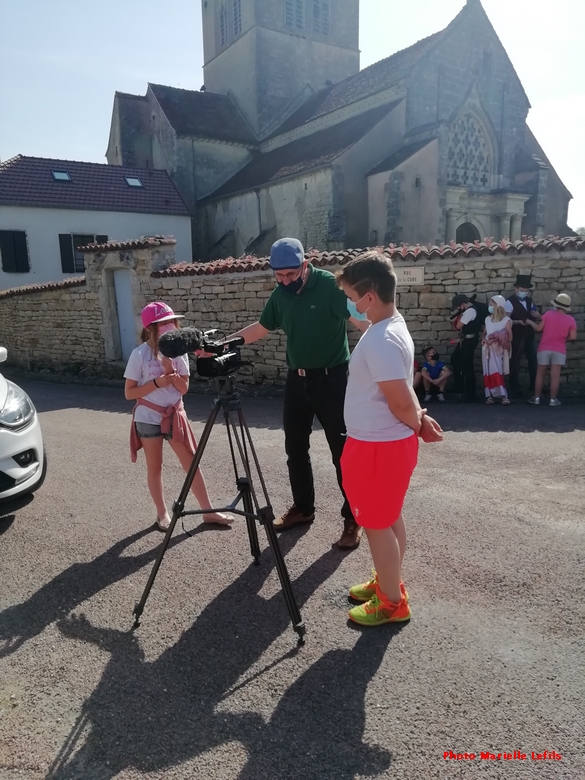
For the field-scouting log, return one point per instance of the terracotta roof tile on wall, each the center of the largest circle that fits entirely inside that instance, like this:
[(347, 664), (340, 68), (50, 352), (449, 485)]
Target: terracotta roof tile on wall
[(487, 247), (77, 281), (29, 181), (135, 243)]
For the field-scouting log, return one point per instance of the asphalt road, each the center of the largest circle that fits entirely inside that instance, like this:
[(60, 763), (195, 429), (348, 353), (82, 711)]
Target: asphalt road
[(212, 684)]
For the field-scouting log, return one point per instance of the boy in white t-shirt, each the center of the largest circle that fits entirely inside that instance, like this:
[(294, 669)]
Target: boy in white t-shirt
[(383, 420)]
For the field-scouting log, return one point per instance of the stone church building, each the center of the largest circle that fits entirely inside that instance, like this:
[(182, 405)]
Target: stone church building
[(289, 137)]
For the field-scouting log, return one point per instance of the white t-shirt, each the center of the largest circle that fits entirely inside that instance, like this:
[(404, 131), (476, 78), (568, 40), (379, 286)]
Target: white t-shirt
[(494, 327), (468, 316), (384, 352), (143, 367)]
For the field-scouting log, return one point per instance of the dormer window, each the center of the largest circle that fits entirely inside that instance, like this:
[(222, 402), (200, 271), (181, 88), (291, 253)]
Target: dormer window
[(61, 175), (133, 181)]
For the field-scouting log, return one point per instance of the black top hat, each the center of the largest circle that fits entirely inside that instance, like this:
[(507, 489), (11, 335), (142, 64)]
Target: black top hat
[(524, 281)]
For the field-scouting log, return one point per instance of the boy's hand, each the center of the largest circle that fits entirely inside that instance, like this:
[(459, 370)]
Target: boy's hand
[(430, 430)]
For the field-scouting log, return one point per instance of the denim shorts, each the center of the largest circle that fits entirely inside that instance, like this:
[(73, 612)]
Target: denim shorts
[(548, 357), (150, 431)]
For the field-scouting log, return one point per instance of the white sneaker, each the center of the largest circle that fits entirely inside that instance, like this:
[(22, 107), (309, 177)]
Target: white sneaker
[(534, 400), (554, 402), (428, 397), (441, 397)]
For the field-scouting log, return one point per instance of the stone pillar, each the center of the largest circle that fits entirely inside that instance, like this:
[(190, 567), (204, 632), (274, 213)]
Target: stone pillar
[(516, 228), (451, 226), (505, 226)]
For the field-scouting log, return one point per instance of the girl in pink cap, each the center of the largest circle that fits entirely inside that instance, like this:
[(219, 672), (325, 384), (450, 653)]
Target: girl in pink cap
[(158, 385)]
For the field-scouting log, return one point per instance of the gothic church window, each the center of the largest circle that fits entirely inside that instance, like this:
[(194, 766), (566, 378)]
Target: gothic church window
[(237, 17), (468, 155), (223, 30)]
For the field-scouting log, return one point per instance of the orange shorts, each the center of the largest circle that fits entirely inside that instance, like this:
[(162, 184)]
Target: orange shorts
[(376, 475)]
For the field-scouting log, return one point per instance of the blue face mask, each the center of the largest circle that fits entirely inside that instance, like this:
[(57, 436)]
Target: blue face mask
[(353, 312), (491, 309), (522, 295)]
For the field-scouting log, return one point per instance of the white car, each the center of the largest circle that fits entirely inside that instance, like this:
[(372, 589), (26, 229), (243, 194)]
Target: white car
[(23, 464)]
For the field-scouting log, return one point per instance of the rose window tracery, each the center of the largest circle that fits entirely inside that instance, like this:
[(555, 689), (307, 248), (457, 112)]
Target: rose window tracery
[(468, 155)]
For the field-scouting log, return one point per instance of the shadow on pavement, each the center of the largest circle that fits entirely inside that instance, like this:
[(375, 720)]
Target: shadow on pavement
[(518, 417), (49, 397), (70, 589), (153, 715)]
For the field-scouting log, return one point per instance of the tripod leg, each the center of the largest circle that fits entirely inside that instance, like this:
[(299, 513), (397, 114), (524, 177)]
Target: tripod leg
[(244, 488), (284, 578), (178, 507)]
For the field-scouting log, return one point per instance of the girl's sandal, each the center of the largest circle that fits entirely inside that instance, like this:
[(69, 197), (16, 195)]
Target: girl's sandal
[(505, 402), (489, 401), (218, 518), (163, 525)]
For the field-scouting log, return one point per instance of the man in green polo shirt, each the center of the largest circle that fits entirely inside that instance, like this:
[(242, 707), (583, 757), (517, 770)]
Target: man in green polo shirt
[(313, 311)]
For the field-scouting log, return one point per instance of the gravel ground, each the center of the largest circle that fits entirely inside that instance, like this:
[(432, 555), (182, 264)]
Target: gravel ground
[(212, 684)]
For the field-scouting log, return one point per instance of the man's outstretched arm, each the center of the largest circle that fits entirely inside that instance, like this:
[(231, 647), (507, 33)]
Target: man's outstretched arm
[(250, 333)]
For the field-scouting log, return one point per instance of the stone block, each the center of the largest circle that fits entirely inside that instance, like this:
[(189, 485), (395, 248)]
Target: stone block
[(434, 301)]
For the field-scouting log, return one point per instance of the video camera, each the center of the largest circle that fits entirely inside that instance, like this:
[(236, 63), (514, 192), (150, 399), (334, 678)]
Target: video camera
[(214, 358)]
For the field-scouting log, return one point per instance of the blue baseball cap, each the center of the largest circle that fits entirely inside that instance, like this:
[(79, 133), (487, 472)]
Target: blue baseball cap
[(286, 253)]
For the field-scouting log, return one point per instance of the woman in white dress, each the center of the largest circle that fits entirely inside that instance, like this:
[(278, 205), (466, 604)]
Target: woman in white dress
[(496, 350)]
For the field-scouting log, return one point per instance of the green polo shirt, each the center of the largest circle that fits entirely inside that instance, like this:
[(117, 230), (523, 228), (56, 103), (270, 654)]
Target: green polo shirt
[(313, 320)]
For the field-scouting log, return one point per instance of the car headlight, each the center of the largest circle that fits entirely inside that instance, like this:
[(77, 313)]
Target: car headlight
[(18, 409)]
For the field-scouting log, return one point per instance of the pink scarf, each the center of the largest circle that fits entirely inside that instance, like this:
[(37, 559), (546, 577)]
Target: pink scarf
[(174, 419)]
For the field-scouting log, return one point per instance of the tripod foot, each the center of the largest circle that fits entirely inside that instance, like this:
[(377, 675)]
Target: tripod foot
[(137, 611), (301, 630), (257, 560)]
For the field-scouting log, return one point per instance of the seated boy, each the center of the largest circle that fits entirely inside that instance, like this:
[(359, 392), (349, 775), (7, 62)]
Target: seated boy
[(434, 374), (417, 376)]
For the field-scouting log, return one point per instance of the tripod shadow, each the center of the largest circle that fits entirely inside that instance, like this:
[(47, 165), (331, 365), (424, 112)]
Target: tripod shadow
[(153, 715), (69, 589)]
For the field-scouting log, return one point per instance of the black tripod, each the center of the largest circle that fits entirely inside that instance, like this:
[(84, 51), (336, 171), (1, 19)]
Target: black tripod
[(238, 433)]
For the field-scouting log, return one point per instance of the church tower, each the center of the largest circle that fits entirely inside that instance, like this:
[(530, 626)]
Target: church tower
[(269, 54)]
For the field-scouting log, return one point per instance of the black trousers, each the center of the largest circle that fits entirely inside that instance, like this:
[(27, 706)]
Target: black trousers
[(523, 346), (318, 395), (462, 362)]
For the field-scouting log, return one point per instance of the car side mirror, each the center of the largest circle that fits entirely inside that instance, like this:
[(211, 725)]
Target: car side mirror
[(3, 354)]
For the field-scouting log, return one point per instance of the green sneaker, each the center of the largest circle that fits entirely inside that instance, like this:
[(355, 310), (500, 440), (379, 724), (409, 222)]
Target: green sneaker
[(366, 590), (376, 612)]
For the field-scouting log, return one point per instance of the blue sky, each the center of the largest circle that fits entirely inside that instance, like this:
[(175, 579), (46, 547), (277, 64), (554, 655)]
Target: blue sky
[(64, 60)]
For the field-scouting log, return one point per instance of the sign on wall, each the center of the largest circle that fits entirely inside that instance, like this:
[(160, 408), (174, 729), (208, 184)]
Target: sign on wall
[(410, 276)]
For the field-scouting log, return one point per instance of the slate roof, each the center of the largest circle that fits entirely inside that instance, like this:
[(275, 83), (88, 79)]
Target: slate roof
[(375, 78), (399, 156), (203, 114), (28, 181), (485, 248), (303, 154)]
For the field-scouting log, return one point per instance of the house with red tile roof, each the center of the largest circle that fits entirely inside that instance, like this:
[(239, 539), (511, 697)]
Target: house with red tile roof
[(289, 137), (51, 208)]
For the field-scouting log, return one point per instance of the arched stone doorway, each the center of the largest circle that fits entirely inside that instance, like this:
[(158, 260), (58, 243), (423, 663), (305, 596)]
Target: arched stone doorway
[(467, 233)]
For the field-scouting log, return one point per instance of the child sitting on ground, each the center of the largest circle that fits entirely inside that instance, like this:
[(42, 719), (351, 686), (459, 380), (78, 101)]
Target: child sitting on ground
[(434, 374)]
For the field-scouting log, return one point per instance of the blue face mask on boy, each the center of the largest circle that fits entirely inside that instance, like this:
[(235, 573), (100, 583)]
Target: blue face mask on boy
[(523, 294), (353, 312)]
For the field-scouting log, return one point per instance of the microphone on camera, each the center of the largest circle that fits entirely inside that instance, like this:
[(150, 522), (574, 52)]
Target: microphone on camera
[(175, 343)]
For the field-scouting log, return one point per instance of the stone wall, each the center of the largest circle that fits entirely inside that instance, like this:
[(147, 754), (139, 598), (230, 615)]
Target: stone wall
[(51, 326), (228, 301), (65, 324)]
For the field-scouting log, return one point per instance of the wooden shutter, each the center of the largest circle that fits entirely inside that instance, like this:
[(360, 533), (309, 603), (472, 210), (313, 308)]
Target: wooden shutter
[(66, 247), (21, 252), (7, 251)]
